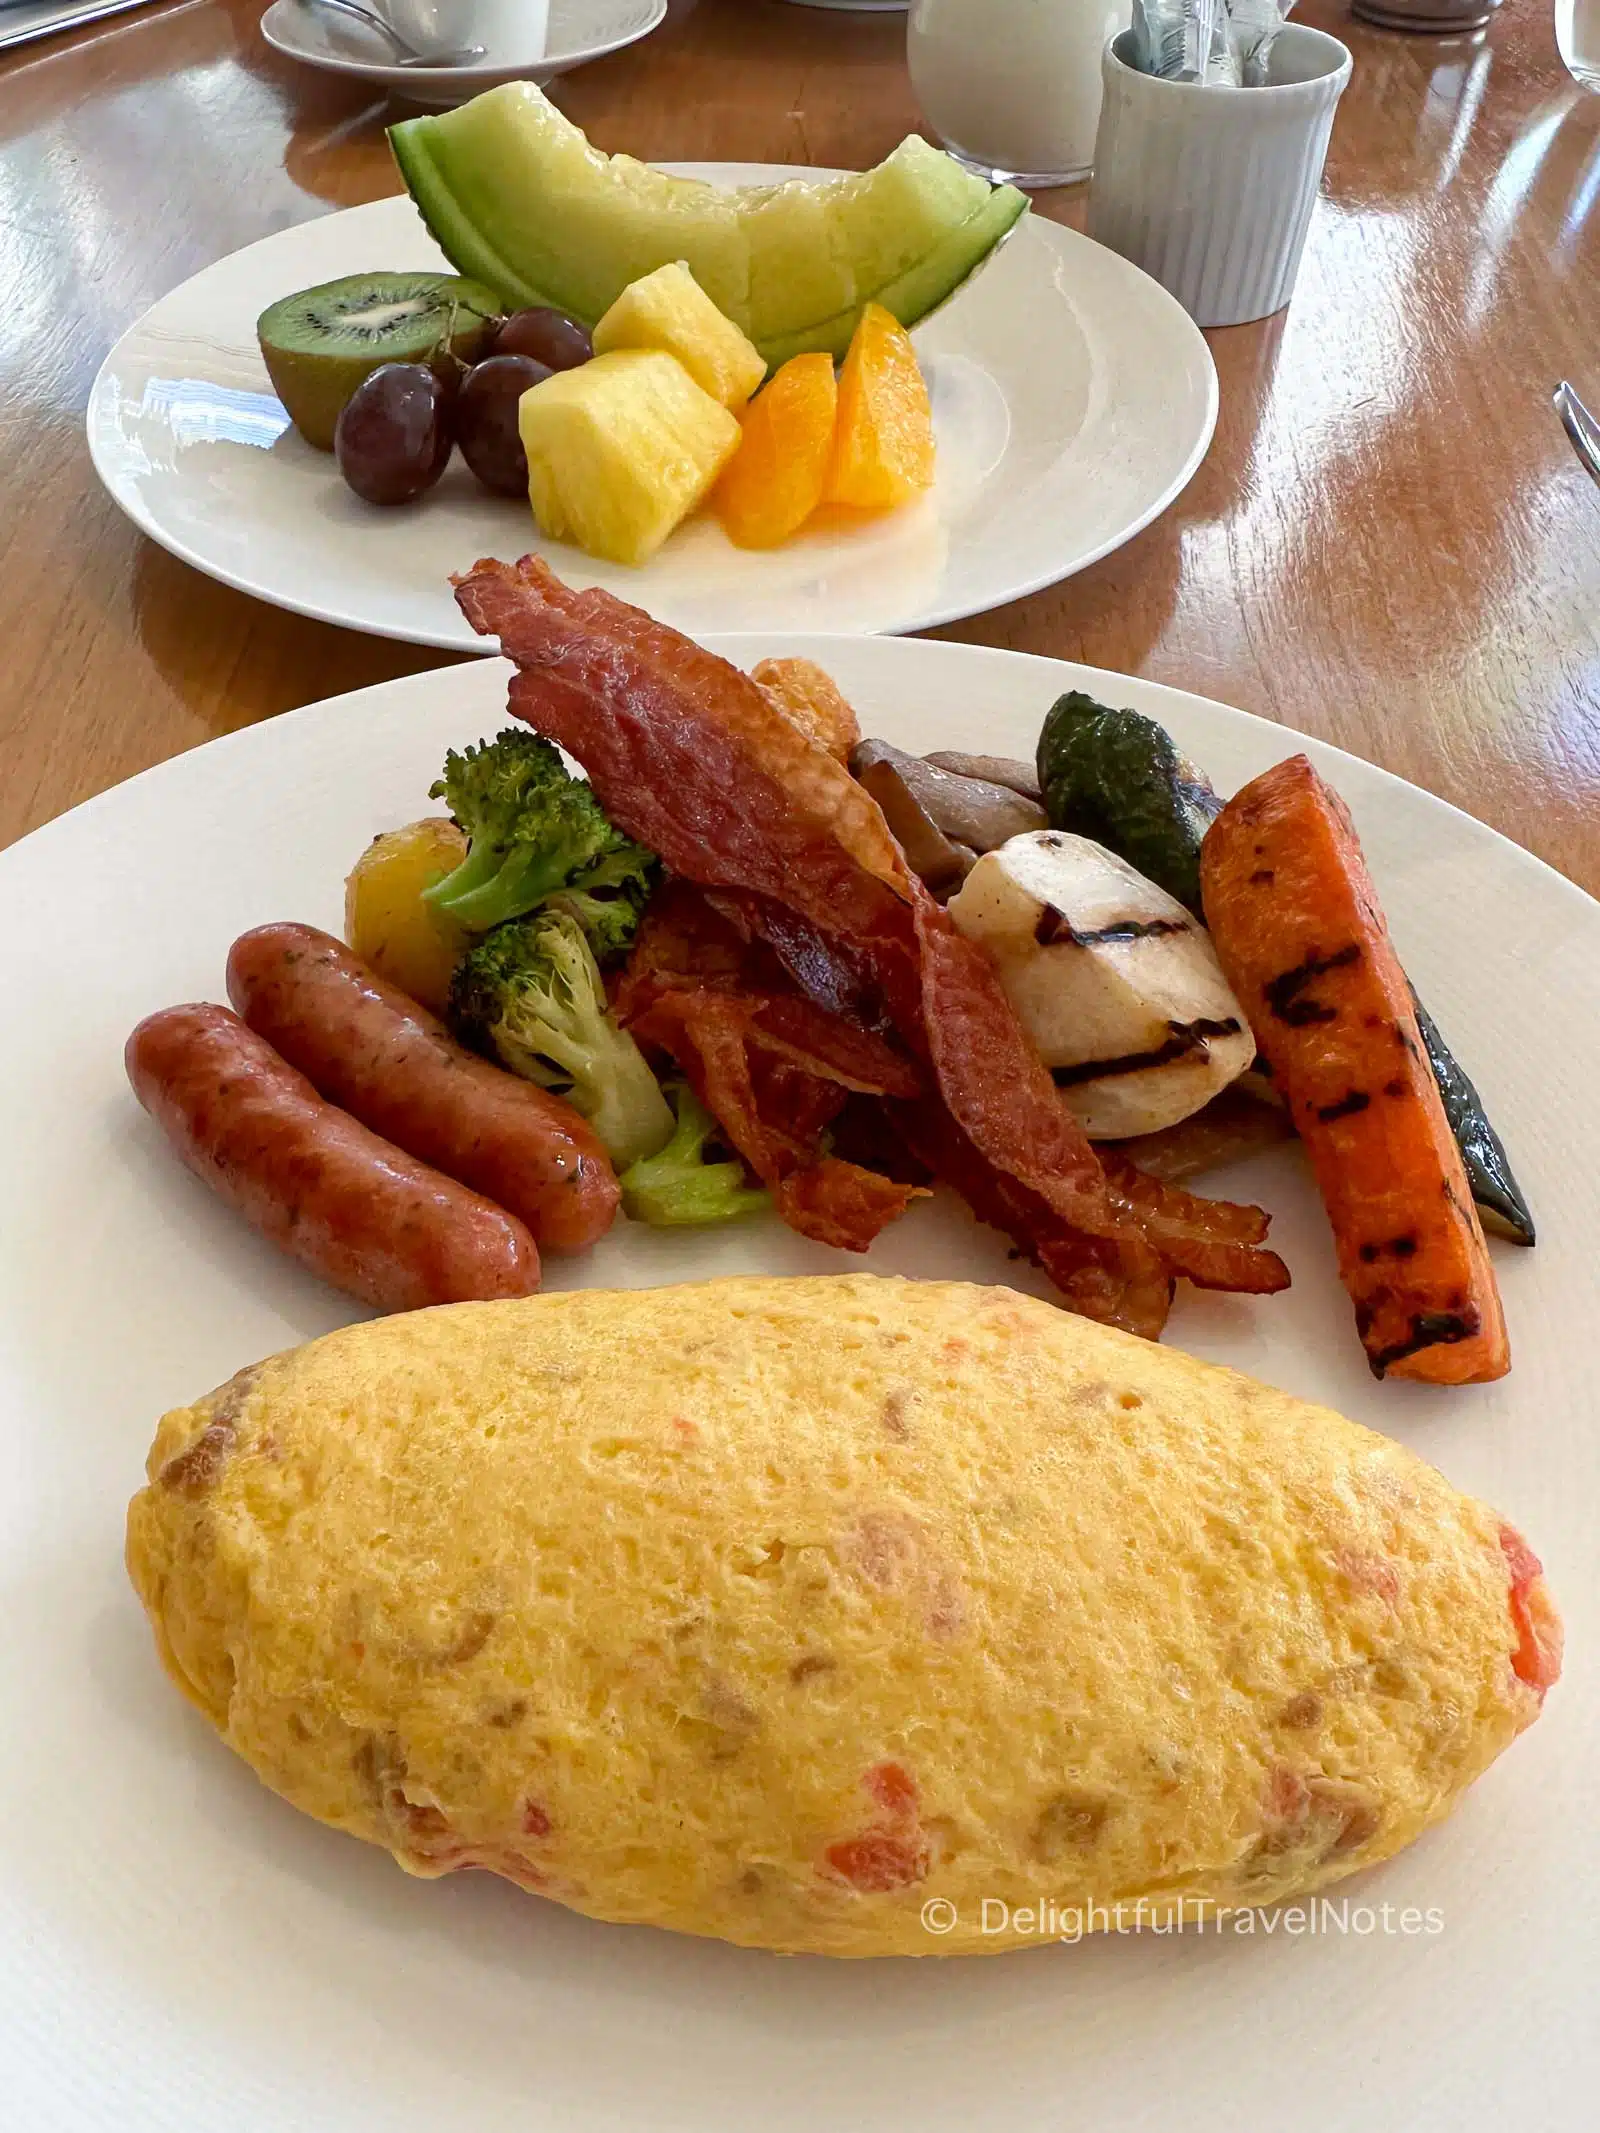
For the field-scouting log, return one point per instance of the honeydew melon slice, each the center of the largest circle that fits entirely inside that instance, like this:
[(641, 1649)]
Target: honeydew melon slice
[(517, 198)]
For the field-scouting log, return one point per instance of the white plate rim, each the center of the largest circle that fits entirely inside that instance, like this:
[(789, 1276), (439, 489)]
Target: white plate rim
[(746, 646)]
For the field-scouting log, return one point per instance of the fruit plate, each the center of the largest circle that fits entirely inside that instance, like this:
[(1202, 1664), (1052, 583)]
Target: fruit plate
[(1073, 400), (180, 1949)]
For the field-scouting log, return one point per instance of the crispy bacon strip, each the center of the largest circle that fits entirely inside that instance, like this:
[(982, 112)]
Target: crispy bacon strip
[(789, 1024), (704, 1033), (1120, 1279), (681, 939), (806, 1104), (687, 943), (773, 1068), (994, 1083), (1216, 1244), (774, 1113), (689, 756), (840, 1204), (828, 972)]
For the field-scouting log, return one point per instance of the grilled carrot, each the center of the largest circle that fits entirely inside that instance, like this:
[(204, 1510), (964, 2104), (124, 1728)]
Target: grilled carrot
[(1298, 928)]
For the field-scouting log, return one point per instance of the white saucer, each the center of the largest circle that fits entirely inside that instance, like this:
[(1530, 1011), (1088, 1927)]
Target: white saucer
[(580, 30)]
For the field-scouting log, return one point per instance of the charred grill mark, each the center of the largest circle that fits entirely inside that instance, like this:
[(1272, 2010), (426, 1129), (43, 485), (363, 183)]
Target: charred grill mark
[(1347, 1106), (1429, 1329), (1402, 1247), (1133, 929), (1186, 1037), (1263, 877), (1283, 993), (1397, 1087), (1054, 926), (1068, 1077)]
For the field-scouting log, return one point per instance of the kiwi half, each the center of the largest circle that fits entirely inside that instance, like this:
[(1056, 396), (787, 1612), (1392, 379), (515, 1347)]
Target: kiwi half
[(320, 343)]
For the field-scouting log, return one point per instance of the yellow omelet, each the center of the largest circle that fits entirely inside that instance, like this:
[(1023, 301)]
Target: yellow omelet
[(802, 1612)]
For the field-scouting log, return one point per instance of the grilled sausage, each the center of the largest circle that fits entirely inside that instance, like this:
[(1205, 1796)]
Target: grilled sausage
[(354, 1210), (369, 1048)]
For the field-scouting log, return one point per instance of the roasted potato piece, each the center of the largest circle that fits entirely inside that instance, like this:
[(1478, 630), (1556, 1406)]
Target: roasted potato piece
[(386, 921), (809, 698)]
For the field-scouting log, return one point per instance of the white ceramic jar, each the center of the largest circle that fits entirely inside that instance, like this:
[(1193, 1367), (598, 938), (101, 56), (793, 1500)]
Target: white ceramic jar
[(1211, 189), (1013, 87)]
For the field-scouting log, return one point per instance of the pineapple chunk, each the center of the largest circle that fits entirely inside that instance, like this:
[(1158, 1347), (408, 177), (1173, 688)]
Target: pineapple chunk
[(621, 450), (669, 310)]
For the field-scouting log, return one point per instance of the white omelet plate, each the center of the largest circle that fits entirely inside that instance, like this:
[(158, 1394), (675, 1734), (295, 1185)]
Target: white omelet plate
[(1073, 398), (180, 1952)]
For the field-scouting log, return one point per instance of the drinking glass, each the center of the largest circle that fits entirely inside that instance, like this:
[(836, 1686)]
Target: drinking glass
[(1012, 87)]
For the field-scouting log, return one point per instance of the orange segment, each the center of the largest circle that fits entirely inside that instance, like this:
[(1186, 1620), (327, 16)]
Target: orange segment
[(883, 450), (775, 479)]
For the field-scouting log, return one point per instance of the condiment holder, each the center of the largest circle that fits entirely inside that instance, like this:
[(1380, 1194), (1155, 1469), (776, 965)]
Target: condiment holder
[(1210, 189)]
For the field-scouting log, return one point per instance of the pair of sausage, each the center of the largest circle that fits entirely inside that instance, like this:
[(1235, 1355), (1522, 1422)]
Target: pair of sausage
[(297, 1109)]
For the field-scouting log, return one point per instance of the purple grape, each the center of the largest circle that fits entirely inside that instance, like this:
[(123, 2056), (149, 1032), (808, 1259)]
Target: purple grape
[(550, 337), (486, 420), (393, 437)]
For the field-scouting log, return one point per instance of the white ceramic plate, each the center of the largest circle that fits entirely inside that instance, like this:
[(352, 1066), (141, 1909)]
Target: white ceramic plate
[(1073, 400), (579, 30), (179, 1950)]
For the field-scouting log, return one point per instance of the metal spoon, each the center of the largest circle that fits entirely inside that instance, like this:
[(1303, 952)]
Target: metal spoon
[(1580, 426), (409, 56)]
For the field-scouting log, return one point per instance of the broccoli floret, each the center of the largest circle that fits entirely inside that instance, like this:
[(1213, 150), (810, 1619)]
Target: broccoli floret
[(530, 995), (608, 899), (678, 1186), (533, 829)]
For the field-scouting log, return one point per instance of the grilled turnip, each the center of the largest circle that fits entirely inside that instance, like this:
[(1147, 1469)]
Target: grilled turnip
[(1113, 979)]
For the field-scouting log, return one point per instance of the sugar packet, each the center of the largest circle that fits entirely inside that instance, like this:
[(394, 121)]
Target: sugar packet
[(1227, 43)]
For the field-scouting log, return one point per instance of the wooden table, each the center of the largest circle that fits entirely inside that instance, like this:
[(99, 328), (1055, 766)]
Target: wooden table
[(1389, 545)]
